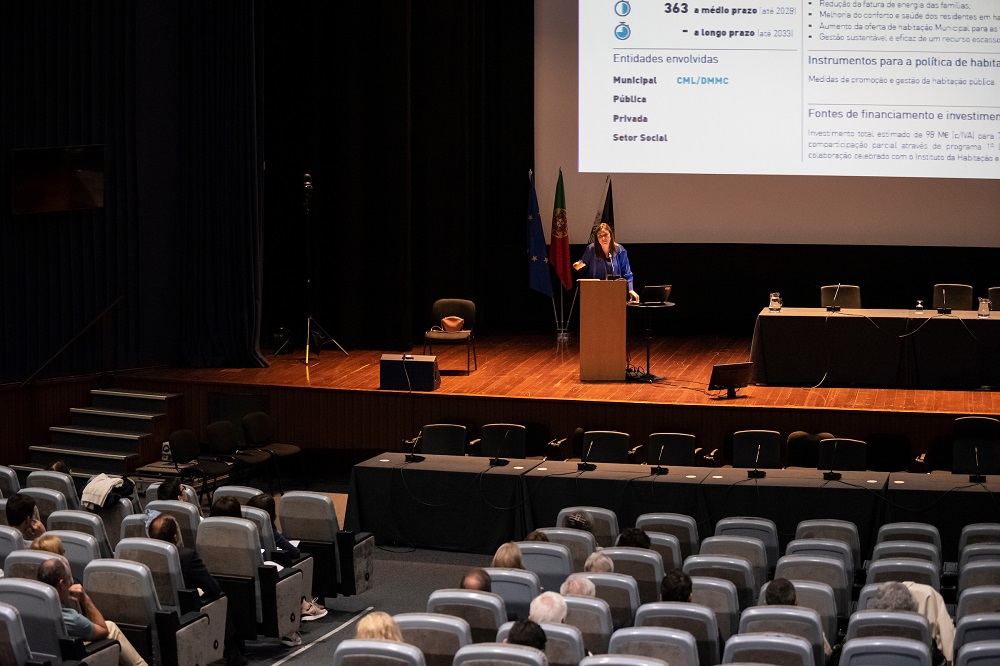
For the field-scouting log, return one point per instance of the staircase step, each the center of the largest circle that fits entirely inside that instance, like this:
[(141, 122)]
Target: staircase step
[(138, 401), (87, 438), (96, 460), (115, 420)]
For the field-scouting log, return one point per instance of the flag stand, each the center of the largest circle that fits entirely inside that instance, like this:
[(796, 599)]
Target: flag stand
[(562, 320)]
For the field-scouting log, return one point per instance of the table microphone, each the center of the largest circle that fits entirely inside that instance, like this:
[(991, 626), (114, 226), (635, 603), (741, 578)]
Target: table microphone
[(496, 460), (756, 473), (412, 457), (978, 477), (831, 475), (833, 307), (659, 470), (944, 309), (585, 466)]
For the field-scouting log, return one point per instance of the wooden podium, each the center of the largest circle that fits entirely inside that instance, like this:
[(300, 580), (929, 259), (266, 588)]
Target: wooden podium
[(602, 330)]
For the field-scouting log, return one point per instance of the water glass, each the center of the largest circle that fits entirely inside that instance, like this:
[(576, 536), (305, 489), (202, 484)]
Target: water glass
[(984, 308), (775, 304)]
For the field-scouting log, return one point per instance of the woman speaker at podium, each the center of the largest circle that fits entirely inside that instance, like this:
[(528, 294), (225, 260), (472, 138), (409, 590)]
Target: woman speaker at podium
[(606, 260)]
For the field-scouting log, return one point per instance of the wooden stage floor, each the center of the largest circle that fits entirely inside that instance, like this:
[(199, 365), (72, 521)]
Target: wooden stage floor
[(536, 379)]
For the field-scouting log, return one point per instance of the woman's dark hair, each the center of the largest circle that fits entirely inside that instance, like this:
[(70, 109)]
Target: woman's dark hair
[(264, 502), (169, 489), (598, 250), (226, 506)]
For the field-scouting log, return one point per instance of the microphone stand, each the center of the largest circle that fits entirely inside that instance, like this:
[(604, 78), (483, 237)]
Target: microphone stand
[(313, 327)]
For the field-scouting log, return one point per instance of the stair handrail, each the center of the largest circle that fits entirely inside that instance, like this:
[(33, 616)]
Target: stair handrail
[(98, 318)]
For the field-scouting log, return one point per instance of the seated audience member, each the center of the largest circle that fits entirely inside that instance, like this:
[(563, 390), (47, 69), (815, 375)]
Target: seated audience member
[(379, 626), (526, 632), (893, 596), (781, 592), (676, 586), (22, 513), (87, 623), (536, 535), (311, 610), (170, 489), (59, 466), (633, 537), (477, 580), (548, 608), (598, 562), (578, 585), (580, 520), (49, 544), (226, 507), (508, 556), (196, 577)]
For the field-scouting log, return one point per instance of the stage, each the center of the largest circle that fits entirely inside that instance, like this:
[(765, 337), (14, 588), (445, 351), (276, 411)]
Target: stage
[(334, 403)]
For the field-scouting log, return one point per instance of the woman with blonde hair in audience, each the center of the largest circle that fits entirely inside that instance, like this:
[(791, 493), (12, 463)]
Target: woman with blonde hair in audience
[(50, 543), (379, 625), (508, 556)]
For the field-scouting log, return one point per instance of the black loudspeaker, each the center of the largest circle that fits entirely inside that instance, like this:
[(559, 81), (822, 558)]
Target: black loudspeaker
[(409, 372)]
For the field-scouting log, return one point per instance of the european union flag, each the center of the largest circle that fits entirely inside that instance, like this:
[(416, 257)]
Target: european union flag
[(538, 258)]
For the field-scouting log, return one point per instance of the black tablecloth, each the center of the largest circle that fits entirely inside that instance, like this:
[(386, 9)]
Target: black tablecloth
[(443, 502), (788, 496), (888, 348), (628, 490)]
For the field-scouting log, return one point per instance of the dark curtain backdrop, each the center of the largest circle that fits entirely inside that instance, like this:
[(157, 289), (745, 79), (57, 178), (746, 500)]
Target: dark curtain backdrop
[(170, 89)]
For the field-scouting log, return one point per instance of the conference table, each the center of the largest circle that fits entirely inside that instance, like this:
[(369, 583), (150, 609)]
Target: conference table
[(444, 502), (872, 347)]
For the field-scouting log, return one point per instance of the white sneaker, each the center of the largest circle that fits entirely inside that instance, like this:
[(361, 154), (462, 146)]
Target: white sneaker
[(312, 611), (292, 640)]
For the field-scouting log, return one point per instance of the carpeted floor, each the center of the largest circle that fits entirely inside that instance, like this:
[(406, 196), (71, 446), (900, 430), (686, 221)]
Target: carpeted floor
[(402, 582)]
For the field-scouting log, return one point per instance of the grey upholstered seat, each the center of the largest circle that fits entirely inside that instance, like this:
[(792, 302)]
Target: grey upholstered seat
[(644, 565), (517, 587), (81, 549), (824, 548), (914, 550), (484, 611), (758, 528), (722, 597), (975, 628), (736, 570), (551, 562), (563, 643), (697, 620), (231, 551), (187, 491), (677, 648), (85, 522), (125, 593), (822, 570), (909, 531), (113, 516), (978, 573), (11, 539), (980, 599), (885, 652), (13, 641), (188, 516), (669, 549), (620, 660), (977, 533), (622, 594), (838, 530), (605, 522), (581, 543), (41, 617), (499, 654), (750, 549), (241, 493), (354, 652), (889, 624), (9, 483), (25, 563), (47, 500), (679, 525), (133, 526), (817, 596), (438, 636), (984, 653), (57, 481), (592, 616), (797, 621), (311, 518), (902, 570), (768, 649)]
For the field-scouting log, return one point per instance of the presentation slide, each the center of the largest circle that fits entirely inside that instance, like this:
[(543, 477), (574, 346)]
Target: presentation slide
[(819, 87), (796, 121)]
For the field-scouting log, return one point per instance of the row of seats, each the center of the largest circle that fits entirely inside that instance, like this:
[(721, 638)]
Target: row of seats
[(975, 447)]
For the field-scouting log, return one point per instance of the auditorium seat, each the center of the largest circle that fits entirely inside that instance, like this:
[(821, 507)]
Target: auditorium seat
[(501, 440), (697, 620), (983, 653), (85, 522), (975, 628), (758, 528), (909, 531), (915, 550), (889, 624), (679, 525), (644, 565), (484, 611), (979, 533), (592, 616), (978, 573), (677, 648), (133, 526), (47, 501), (563, 643), (824, 548), (437, 636), (817, 596), (980, 599), (797, 621), (13, 641), (9, 483), (517, 587), (768, 649), (188, 516), (844, 295), (242, 494), (736, 570), (187, 491), (750, 549), (581, 543), (622, 594), (839, 530), (669, 549), (885, 652), (721, 596), (355, 652), (11, 539), (499, 654), (551, 562), (57, 481), (822, 570), (113, 516), (81, 549), (604, 522), (25, 563), (620, 660), (902, 570)]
